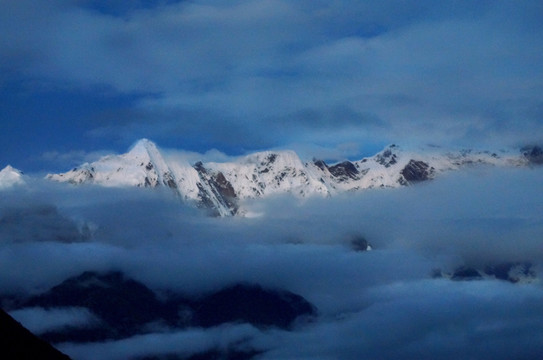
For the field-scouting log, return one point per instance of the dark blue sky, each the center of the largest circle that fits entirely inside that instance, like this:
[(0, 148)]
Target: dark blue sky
[(80, 78)]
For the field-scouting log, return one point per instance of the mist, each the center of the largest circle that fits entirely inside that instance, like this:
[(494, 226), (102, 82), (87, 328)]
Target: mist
[(383, 303)]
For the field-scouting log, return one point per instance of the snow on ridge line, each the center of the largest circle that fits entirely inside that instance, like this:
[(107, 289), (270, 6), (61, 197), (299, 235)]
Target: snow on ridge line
[(221, 185)]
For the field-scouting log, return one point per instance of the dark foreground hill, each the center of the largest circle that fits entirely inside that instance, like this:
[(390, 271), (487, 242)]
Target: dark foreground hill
[(16, 342)]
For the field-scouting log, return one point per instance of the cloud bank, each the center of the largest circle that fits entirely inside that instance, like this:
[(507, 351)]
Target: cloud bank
[(378, 304)]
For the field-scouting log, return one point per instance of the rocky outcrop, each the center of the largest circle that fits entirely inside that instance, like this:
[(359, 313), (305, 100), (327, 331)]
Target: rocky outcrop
[(416, 171), (344, 171), (215, 192), (387, 158)]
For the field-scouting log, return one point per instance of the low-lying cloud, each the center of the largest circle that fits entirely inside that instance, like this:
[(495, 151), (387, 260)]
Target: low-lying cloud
[(39, 320), (378, 304)]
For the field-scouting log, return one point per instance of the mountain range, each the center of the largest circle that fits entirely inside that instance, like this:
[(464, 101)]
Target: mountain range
[(221, 187)]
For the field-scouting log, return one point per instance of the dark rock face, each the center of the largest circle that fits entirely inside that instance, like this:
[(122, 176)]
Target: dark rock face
[(344, 171), (218, 188), (320, 164), (534, 154), (252, 304), (16, 342), (387, 158), (147, 182), (270, 159), (416, 171), (225, 188), (169, 181)]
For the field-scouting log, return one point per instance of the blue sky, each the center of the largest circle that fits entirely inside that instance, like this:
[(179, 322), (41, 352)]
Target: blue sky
[(340, 79)]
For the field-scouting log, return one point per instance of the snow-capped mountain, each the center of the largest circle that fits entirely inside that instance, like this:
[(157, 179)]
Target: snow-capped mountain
[(142, 166), (222, 187), (9, 177)]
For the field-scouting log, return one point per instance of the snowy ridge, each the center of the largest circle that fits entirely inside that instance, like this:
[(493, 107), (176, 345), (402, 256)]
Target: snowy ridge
[(222, 187), (142, 166), (9, 177), (268, 173)]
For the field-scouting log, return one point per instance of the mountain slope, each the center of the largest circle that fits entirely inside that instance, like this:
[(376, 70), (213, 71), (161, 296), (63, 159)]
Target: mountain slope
[(222, 187)]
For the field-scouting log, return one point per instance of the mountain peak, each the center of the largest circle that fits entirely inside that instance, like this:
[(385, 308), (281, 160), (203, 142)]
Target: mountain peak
[(143, 146), (389, 156), (9, 176), (145, 153)]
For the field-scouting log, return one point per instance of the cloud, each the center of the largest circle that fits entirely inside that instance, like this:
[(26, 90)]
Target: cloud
[(428, 319), (479, 217), (38, 223), (191, 157), (185, 343), (73, 157), (334, 77), (40, 321), (258, 74)]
